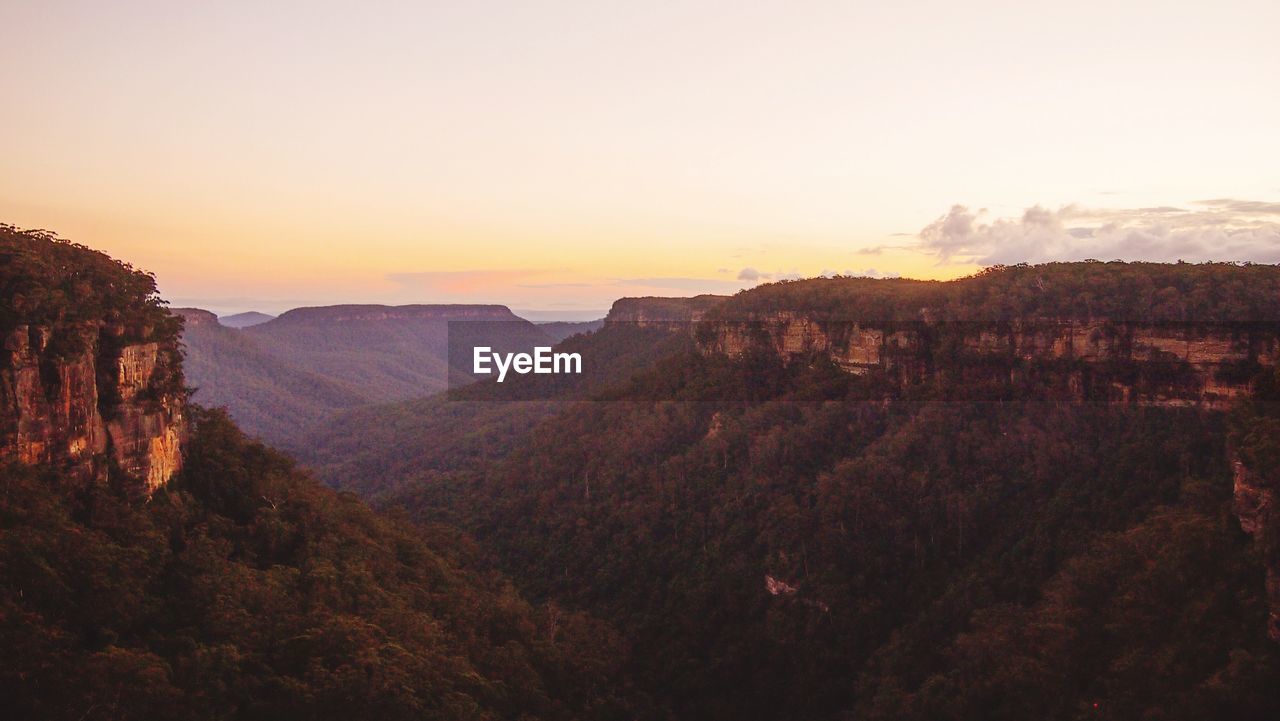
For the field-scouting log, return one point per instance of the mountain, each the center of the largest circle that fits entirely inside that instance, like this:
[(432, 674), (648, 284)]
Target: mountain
[(278, 377), (391, 352), (265, 394), (157, 564), (244, 320), (1038, 492)]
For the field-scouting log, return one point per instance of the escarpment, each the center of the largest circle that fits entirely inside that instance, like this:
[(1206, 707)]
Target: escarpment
[(107, 411), (662, 313), (1158, 363), (1257, 507), (90, 388), (1149, 333)]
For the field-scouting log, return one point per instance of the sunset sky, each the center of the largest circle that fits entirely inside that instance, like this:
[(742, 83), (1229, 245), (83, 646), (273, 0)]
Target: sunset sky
[(557, 155)]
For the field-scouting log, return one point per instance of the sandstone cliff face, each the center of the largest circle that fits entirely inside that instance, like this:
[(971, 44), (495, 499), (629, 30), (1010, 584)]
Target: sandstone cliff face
[(1161, 364), (1257, 505), (108, 410), (674, 314)]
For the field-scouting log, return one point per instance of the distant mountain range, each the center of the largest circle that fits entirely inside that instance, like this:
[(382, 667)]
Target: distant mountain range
[(280, 375), (244, 320)]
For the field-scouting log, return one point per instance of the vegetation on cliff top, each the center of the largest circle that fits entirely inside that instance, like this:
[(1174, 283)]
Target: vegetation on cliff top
[(1115, 291), (51, 282)]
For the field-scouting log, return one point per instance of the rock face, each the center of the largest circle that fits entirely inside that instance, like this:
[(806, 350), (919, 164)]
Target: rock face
[(664, 313), (1257, 506), (106, 410), (369, 313), (1173, 364)]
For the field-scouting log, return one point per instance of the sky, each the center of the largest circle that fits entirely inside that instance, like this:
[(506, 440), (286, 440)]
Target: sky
[(555, 156)]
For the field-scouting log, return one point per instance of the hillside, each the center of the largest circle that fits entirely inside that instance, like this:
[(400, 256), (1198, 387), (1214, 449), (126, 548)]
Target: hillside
[(785, 536), (245, 590), (379, 448), (391, 352), (266, 395), (278, 377)]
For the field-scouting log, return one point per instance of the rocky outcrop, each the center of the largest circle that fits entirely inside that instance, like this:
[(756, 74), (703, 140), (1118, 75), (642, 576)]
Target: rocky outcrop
[(675, 314), (196, 318), (1257, 506), (1172, 364), (93, 402)]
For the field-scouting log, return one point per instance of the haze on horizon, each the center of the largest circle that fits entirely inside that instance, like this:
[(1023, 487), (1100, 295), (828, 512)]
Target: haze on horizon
[(559, 155)]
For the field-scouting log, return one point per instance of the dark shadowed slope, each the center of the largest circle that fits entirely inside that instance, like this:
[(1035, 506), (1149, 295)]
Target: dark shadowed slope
[(391, 352), (266, 395), (379, 448), (278, 377)]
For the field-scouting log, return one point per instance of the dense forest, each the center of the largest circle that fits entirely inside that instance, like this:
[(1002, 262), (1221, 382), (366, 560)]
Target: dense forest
[(791, 550), (791, 558), (246, 590), (1115, 291), (48, 281)]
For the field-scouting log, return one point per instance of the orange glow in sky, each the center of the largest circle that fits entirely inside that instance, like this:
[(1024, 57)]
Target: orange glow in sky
[(557, 155)]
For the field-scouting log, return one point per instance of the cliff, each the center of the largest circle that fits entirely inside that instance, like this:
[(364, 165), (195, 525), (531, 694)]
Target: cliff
[(1257, 507), (1158, 363), (107, 412), (91, 381), (1163, 334), (666, 313)]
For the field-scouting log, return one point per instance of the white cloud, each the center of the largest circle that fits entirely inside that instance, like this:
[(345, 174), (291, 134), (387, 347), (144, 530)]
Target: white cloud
[(1222, 229)]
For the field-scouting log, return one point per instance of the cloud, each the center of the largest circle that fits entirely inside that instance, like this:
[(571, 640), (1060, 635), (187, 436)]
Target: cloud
[(1221, 229), (751, 274), (1244, 207)]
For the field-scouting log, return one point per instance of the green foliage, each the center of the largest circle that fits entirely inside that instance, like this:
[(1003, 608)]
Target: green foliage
[(50, 282), (1137, 292), (246, 590)]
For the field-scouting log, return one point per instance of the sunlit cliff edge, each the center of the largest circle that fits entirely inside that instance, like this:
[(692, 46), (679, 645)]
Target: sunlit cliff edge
[(1147, 333), (90, 370)]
